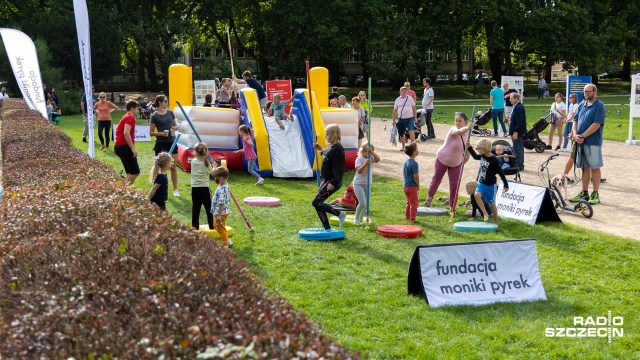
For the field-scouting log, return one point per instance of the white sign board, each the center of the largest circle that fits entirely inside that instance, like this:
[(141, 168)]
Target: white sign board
[(634, 107), (141, 133), (522, 202), (479, 273), (202, 88), (515, 82)]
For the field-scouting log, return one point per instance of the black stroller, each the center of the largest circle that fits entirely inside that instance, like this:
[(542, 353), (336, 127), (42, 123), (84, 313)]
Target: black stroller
[(508, 150), (419, 123), (531, 139), (481, 119)]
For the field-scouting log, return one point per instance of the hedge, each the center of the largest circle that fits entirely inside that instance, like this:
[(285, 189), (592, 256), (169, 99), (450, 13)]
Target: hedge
[(89, 269)]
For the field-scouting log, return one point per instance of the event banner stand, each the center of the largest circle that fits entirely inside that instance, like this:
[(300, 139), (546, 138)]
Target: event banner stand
[(528, 203), (476, 273)]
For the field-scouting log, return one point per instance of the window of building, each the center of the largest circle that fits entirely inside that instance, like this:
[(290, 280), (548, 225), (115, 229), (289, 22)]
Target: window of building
[(429, 55), (465, 56)]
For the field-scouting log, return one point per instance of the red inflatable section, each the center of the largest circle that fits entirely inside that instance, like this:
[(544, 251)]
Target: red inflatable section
[(350, 159), (234, 161), (399, 231)]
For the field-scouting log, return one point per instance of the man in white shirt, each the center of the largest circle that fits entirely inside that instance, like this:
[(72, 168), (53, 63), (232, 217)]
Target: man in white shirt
[(342, 101), (405, 109), (427, 104)]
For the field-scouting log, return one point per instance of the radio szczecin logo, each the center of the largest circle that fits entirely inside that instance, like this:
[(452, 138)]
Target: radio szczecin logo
[(592, 327)]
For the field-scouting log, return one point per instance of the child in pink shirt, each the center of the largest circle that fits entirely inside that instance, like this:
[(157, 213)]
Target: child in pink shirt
[(249, 152)]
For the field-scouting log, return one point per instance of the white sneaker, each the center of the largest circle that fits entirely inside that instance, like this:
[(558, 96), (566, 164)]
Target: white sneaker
[(356, 222), (342, 216), (176, 193), (260, 181)]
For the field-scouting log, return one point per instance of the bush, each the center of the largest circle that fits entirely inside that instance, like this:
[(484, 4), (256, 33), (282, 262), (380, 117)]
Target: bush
[(70, 101), (88, 268)]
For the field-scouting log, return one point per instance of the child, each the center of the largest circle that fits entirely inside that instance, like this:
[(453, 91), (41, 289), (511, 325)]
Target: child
[(249, 152), (50, 106), (160, 190), (411, 182), (220, 204), (475, 209), (331, 171), (200, 192), (503, 159), (489, 168), (364, 164), (277, 110), (348, 200)]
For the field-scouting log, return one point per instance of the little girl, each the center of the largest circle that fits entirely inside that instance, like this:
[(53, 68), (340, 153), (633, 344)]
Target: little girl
[(201, 168), (489, 168), (160, 190), (249, 152), (364, 164), (220, 204)]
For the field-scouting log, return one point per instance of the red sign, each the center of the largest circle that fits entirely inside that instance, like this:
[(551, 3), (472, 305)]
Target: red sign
[(282, 87)]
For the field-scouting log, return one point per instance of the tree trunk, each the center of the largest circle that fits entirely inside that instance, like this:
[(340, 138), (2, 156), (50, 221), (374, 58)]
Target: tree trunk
[(459, 61), (263, 65), (547, 70), (626, 68), (142, 85), (151, 72), (495, 63)]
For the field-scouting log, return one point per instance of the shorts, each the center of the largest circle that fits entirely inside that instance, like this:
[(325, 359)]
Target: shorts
[(405, 124), (488, 193), (164, 146), (589, 156), (129, 162), (263, 102)]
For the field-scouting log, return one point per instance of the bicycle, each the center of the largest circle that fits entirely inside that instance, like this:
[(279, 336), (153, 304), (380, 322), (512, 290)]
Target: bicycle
[(559, 202)]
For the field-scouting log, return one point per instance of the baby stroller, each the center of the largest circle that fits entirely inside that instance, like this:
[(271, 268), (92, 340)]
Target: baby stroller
[(508, 150), (481, 119), (418, 124), (531, 139)]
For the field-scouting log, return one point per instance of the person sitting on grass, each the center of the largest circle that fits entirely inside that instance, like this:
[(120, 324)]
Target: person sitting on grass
[(489, 168), (473, 203), (348, 200)]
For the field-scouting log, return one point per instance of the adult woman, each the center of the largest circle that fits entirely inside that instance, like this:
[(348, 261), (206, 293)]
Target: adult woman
[(163, 125), (568, 122), (449, 158), (360, 110), (125, 141), (558, 114), (104, 108), (54, 97), (496, 99)]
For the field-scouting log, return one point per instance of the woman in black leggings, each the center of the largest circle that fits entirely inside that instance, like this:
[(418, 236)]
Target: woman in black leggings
[(104, 108)]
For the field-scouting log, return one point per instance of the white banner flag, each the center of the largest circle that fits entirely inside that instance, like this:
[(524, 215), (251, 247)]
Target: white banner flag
[(84, 45), (24, 62)]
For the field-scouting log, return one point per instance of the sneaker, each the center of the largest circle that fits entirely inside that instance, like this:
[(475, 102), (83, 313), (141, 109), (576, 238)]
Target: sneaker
[(495, 135), (557, 148), (569, 180), (562, 150), (342, 216), (282, 127), (548, 147), (176, 193), (84, 139), (356, 222), (583, 195), (595, 198), (402, 148), (260, 181), (506, 135)]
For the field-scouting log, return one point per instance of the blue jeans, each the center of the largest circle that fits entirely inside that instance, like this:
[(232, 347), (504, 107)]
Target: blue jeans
[(498, 114), (518, 150), (540, 92), (567, 131), (250, 165)]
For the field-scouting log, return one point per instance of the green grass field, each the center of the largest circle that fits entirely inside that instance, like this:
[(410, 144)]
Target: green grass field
[(357, 287)]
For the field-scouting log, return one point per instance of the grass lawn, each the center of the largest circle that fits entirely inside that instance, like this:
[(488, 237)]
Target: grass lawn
[(357, 287)]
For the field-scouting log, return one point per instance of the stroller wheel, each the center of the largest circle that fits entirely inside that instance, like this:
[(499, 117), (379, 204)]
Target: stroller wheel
[(423, 137), (540, 147)]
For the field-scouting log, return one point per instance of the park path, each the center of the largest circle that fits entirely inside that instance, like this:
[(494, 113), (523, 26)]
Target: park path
[(620, 197)]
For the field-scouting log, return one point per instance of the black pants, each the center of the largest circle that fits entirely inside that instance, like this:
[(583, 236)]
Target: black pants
[(430, 131), (322, 208), (201, 196), (106, 125)]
